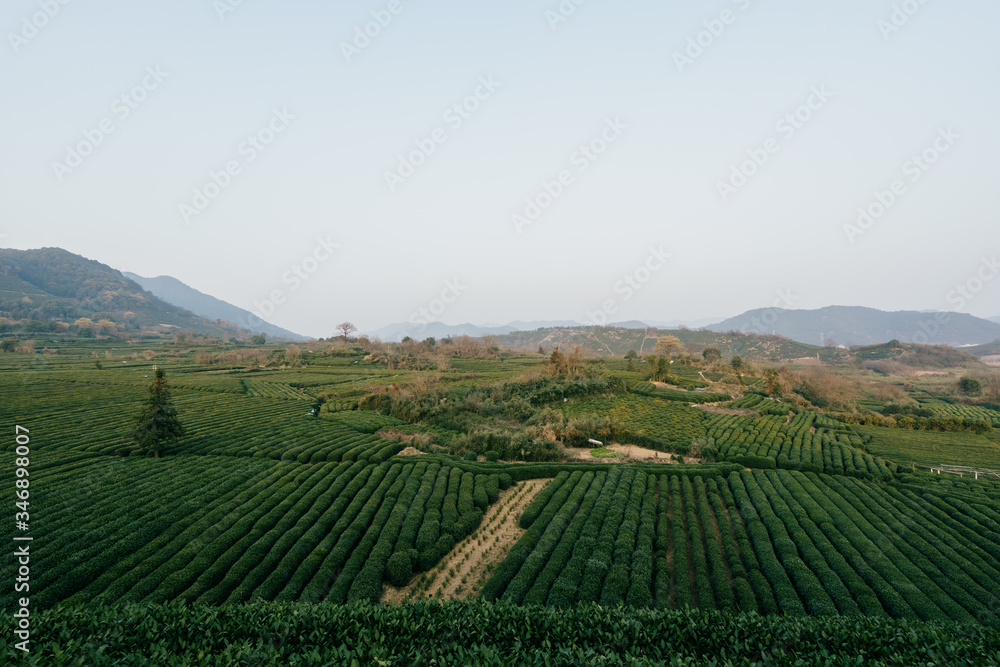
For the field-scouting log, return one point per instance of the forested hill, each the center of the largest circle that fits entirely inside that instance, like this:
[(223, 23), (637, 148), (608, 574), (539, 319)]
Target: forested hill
[(617, 341), (50, 285)]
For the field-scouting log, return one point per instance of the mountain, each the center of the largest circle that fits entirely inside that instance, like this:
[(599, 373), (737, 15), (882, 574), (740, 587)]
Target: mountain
[(855, 325), (630, 324), (46, 286), (397, 331), (683, 324), (614, 341), (179, 294), (994, 319), (986, 350)]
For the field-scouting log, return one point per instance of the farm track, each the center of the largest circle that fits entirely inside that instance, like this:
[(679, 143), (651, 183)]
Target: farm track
[(477, 554)]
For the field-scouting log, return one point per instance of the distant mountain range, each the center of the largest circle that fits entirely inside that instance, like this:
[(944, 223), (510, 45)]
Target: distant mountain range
[(855, 325), (399, 330), (179, 294), (52, 284), (836, 325)]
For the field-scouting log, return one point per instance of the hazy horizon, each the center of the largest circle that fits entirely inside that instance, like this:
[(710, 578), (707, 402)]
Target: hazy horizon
[(825, 109)]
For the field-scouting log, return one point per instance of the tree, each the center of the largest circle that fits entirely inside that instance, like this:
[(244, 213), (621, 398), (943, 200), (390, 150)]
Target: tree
[(970, 386), (772, 382), (258, 339), (668, 345), (565, 364), (631, 354), (711, 354), (346, 329), (157, 424), (736, 362)]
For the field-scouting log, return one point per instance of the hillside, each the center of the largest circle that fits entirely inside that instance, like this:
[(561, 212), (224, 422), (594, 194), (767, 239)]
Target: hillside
[(917, 356), (49, 285), (617, 341), (855, 325), (181, 295), (988, 349)]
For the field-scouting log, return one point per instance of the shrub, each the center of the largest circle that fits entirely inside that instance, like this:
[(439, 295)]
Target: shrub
[(399, 568)]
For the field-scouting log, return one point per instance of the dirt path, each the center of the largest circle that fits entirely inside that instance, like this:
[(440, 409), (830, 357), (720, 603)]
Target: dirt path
[(630, 453), (713, 408), (464, 570)]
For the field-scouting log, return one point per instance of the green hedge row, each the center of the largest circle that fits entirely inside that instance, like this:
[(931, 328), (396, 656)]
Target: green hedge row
[(483, 634)]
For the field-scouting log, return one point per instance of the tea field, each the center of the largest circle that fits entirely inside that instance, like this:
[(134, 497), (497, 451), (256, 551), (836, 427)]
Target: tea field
[(283, 495)]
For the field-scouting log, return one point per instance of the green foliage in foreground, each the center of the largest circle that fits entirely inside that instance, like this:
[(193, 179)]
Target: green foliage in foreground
[(484, 634)]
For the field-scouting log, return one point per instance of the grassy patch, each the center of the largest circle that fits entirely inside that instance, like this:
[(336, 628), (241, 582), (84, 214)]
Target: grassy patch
[(604, 453)]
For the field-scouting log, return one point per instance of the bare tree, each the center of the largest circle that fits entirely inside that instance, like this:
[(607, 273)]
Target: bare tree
[(668, 345), (346, 329)]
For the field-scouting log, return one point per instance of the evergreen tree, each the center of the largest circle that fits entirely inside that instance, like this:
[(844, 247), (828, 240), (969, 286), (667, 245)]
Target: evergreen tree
[(157, 425)]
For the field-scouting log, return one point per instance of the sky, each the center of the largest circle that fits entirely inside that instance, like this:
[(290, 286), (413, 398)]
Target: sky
[(394, 160)]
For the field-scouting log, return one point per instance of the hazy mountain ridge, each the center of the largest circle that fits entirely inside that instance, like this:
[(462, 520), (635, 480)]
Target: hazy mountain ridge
[(857, 325), (178, 293), (397, 331)]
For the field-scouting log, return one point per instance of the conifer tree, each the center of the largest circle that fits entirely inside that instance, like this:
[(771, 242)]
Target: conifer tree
[(157, 424)]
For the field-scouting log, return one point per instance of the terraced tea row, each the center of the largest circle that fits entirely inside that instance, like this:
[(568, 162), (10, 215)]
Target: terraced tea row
[(767, 541), (222, 529), (799, 441), (96, 417)]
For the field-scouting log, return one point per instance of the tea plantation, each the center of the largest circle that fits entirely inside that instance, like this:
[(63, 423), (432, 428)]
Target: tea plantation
[(268, 533)]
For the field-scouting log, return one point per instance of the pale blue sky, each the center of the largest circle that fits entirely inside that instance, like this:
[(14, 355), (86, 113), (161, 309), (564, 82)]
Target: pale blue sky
[(656, 185)]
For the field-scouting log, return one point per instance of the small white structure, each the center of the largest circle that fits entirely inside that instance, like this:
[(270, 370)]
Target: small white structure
[(596, 443)]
